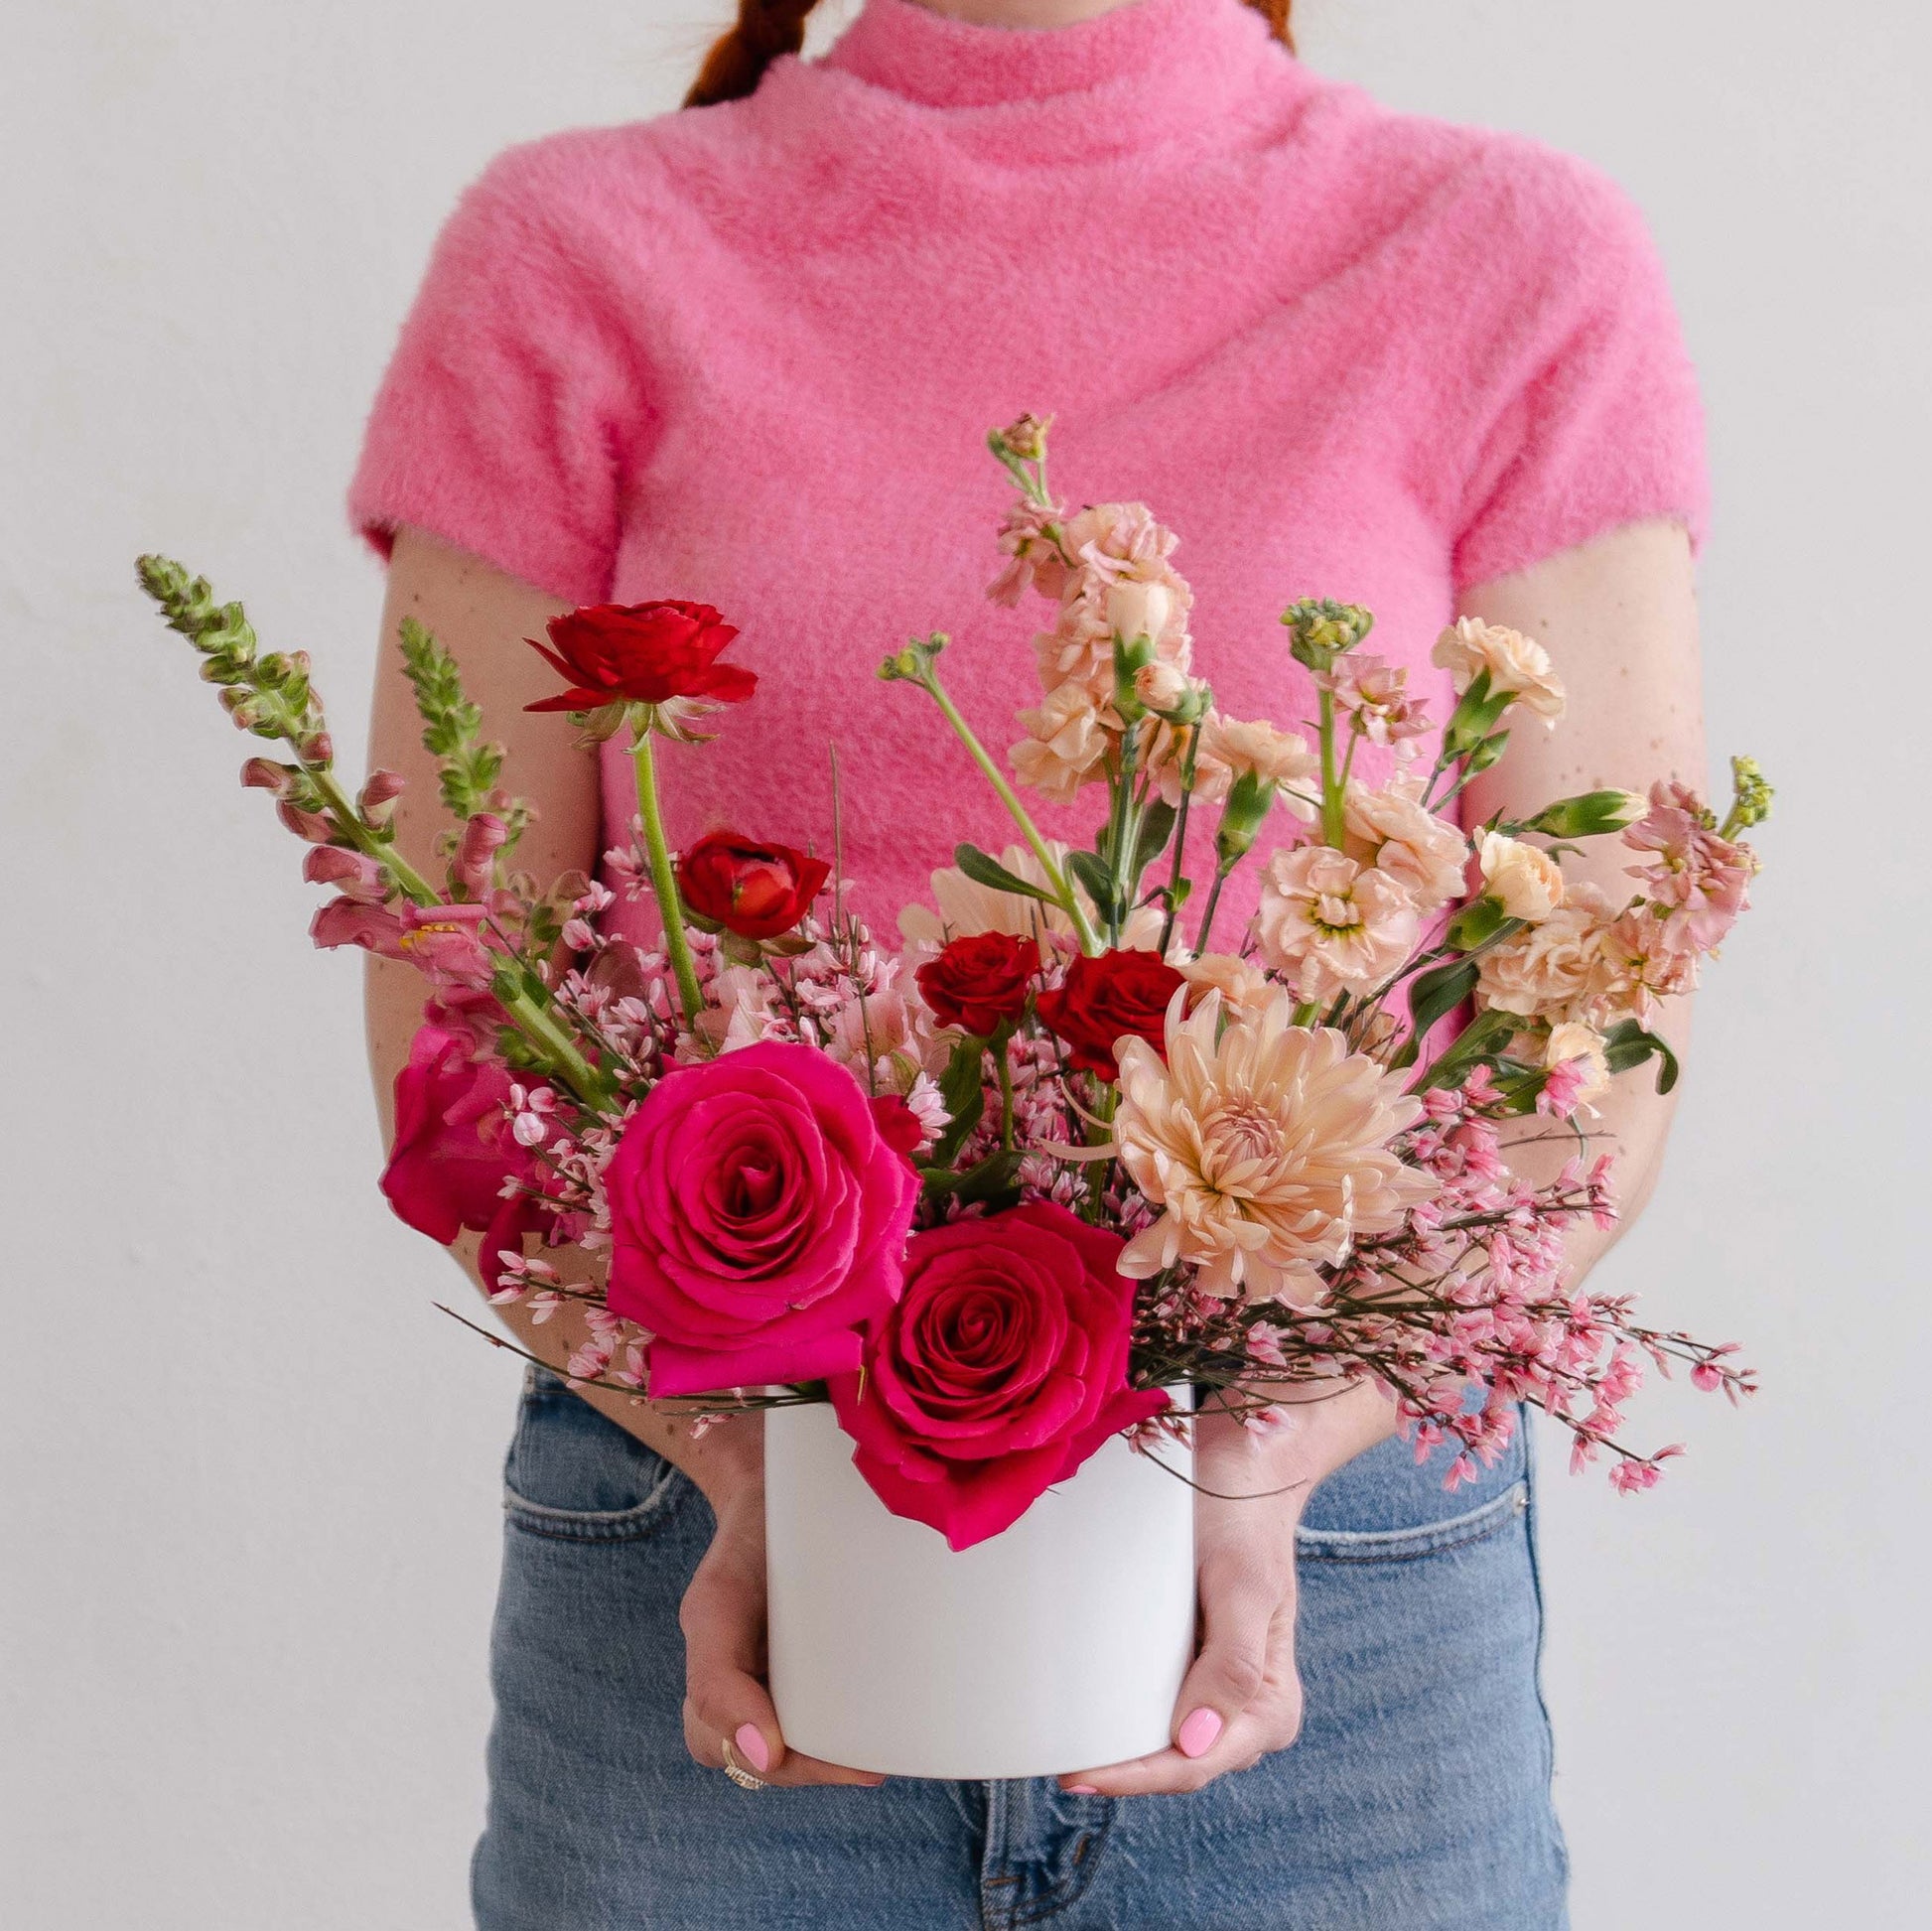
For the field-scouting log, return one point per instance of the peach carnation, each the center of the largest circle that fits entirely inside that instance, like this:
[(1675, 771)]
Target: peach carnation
[(1264, 1147), (1515, 663), (1391, 830), (1552, 970), (1329, 924), (1527, 881)]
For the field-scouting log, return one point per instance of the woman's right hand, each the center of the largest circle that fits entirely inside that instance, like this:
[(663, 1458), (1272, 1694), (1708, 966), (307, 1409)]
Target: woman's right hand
[(723, 1618)]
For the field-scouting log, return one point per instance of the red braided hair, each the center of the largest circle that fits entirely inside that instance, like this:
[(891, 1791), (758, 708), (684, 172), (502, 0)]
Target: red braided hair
[(765, 29)]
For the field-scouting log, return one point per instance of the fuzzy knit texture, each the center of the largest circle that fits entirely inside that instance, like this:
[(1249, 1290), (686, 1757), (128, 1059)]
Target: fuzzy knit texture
[(748, 355)]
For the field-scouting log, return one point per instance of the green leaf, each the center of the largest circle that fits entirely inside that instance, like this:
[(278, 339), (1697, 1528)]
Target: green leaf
[(963, 1088), (993, 1182), (1627, 1046), (1099, 883), (1479, 1041), (1432, 995), (983, 869), (1156, 827)]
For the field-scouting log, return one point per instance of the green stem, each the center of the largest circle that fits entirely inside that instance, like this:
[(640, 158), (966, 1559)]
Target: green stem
[(1331, 816), (1000, 1060), (1126, 829), (663, 881), (413, 886), (1207, 912), (1179, 835), (1068, 899)]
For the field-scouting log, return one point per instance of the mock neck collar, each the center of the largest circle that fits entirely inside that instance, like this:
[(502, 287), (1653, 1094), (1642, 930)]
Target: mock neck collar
[(1136, 74)]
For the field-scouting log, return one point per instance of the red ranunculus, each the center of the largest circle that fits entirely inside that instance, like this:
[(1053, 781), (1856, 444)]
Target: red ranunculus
[(980, 982), (453, 1147), (1105, 999), (1001, 1368), (755, 891), (898, 1125), (756, 1219), (641, 653)]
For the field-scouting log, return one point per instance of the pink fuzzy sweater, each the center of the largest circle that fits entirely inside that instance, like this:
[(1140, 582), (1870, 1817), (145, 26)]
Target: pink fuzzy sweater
[(750, 353)]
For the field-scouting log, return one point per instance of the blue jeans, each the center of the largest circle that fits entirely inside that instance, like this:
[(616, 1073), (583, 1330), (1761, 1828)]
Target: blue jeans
[(1416, 1796)]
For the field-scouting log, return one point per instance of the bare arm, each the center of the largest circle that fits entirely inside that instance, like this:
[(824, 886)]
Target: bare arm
[(482, 615), (1618, 618)]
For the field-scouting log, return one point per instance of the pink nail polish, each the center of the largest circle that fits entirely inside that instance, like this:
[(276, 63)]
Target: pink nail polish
[(751, 1745), (1198, 1731), (1081, 1790)]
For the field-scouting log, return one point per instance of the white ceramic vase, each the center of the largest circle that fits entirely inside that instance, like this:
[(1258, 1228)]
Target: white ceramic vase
[(1058, 1645)]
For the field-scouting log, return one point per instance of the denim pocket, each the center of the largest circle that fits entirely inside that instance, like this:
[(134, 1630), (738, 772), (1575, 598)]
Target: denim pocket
[(1488, 1518), (577, 1476)]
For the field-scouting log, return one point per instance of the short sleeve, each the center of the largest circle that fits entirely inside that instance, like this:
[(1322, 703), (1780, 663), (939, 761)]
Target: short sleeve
[(1592, 417), (499, 421)]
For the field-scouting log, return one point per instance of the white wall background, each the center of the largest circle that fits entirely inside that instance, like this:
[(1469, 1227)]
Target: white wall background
[(250, 1477)]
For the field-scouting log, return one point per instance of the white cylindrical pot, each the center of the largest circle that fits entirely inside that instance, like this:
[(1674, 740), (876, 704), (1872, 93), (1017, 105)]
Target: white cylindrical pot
[(1058, 1645)]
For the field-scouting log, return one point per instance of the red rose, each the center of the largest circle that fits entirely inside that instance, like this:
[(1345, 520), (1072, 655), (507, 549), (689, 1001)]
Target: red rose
[(1001, 1368), (755, 891), (641, 653), (453, 1147), (1105, 999), (980, 982)]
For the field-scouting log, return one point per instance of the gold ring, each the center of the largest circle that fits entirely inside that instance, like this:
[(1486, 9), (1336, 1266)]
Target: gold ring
[(737, 1772)]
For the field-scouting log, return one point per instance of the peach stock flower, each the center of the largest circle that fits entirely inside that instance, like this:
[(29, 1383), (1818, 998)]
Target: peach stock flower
[(1329, 924), (1391, 830), (1552, 970), (1643, 963), (1265, 1149), (1064, 746), (1515, 663), (1527, 881)]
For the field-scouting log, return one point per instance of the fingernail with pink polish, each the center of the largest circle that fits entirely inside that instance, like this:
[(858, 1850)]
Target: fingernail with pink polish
[(1081, 1790), (1198, 1731), (750, 1741)]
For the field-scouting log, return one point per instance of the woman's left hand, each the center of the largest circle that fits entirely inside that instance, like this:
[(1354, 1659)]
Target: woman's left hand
[(1242, 1698)]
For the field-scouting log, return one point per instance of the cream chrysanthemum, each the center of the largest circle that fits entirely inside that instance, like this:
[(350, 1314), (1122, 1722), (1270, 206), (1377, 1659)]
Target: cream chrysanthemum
[(1265, 1149)]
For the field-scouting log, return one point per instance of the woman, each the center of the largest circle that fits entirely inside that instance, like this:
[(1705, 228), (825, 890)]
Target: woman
[(749, 353)]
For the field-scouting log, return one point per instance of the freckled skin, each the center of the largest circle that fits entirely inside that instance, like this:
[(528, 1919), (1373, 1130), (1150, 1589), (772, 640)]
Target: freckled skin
[(1618, 618)]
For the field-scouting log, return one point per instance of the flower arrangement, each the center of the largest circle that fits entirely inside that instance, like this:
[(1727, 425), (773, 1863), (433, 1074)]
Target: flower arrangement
[(994, 1194)]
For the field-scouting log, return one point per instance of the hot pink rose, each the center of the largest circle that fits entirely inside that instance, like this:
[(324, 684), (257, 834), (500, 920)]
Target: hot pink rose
[(758, 1220), (453, 1147), (1001, 1368)]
